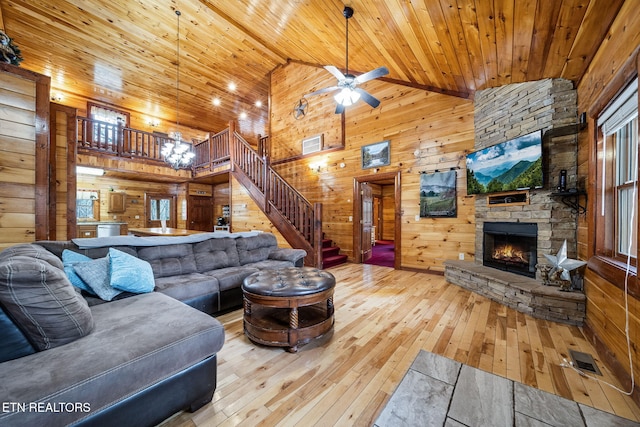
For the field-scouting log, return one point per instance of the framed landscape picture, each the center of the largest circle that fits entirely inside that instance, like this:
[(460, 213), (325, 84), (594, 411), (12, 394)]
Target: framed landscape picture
[(438, 194), (375, 155)]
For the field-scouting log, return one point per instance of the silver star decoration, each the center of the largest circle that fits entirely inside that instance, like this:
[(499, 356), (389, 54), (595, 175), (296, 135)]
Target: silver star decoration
[(560, 263), (300, 109)]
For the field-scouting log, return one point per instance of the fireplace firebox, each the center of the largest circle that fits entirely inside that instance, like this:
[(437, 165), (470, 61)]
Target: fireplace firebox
[(511, 246)]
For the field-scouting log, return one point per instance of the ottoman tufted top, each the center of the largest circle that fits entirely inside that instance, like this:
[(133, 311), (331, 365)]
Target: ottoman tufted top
[(289, 282)]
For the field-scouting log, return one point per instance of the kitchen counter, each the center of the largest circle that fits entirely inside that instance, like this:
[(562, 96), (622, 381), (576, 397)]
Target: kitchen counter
[(101, 228), (99, 222)]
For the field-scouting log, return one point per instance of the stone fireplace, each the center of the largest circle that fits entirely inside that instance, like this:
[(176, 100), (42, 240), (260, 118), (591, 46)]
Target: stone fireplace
[(511, 246), (514, 235), (509, 111)]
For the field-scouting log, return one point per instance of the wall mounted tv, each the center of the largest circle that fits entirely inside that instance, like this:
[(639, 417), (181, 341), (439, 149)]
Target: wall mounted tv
[(511, 165)]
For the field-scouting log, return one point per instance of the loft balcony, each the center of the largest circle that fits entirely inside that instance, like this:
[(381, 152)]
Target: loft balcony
[(95, 137)]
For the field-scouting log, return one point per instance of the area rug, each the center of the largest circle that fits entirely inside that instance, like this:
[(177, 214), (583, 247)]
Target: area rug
[(382, 253), (437, 391)]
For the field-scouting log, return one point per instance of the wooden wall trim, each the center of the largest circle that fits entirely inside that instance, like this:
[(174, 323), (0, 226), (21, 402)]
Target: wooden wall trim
[(71, 157)]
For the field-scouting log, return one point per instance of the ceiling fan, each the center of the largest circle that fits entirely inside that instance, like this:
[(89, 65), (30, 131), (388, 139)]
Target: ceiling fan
[(347, 84)]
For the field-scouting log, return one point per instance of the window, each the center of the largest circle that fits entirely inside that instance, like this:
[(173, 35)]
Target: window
[(617, 179), (160, 209), (106, 132), (87, 205)]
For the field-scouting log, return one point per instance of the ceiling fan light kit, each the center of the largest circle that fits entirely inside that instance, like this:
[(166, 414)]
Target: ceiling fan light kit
[(347, 84)]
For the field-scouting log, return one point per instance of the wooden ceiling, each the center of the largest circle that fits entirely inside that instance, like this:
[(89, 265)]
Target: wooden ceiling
[(123, 52)]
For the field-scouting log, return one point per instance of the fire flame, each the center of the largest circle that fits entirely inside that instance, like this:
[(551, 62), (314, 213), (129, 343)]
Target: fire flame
[(509, 252)]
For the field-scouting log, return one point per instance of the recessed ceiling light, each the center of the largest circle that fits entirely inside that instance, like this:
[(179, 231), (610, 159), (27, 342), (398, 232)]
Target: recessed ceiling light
[(258, 104), (243, 116), (232, 86), (216, 101)]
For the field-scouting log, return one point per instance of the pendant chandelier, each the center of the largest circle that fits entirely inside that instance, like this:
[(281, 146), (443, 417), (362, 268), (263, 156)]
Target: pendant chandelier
[(176, 153)]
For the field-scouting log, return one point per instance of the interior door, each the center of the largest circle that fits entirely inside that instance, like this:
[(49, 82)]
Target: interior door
[(200, 213), (160, 207), (366, 220)]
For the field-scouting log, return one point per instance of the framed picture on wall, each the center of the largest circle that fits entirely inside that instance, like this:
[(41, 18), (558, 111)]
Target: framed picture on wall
[(438, 194), (375, 155)]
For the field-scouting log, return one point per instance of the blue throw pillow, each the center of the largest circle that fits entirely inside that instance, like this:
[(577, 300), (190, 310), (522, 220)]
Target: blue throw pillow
[(69, 259), (129, 273), (95, 273)]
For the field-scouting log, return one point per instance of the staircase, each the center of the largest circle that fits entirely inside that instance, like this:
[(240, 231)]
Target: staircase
[(297, 220), (331, 255)]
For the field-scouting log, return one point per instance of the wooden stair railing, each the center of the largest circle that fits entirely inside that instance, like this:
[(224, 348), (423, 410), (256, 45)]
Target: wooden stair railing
[(211, 152), (299, 222)]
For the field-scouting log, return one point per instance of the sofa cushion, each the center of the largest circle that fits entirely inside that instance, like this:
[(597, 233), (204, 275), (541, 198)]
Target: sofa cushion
[(230, 277), (129, 273), (95, 274), (187, 286), (36, 294), (137, 342), (215, 253), (169, 260), (270, 264), (69, 260), (256, 248)]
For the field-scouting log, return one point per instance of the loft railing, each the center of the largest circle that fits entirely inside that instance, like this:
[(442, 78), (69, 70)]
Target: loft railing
[(211, 152), (117, 140)]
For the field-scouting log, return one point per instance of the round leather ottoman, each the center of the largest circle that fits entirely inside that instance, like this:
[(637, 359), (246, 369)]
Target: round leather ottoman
[(288, 307)]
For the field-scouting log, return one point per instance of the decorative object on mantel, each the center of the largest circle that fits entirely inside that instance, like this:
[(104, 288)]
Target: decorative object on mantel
[(9, 52), (559, 272), (177, 154)]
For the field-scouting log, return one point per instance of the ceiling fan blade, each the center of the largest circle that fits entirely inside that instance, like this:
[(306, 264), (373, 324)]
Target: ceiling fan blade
[(339, 108), (367, 97), (373, 74), (325, 90), (337, 73)]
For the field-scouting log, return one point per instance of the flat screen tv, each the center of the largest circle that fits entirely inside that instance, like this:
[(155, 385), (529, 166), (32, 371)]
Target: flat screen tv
[(511, 165)]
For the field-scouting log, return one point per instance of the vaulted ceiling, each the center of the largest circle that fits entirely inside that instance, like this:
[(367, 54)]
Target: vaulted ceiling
[(123, 52)]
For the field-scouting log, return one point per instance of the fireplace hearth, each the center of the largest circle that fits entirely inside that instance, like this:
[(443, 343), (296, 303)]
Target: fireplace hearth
[(511, 247)]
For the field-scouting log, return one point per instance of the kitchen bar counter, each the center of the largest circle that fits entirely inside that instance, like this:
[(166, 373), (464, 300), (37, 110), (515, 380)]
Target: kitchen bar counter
[(157, 231)]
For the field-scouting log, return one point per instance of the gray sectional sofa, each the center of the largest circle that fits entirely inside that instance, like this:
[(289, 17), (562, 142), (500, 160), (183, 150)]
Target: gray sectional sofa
[(70, 358)]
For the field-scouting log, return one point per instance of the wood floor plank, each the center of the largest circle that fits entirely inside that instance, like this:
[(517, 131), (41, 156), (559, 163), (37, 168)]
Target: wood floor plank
[(384, 317)]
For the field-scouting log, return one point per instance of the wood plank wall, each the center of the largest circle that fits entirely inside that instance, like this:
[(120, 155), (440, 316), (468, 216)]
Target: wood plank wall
[(439, 128), (23, 150), (605, 300), (288, 86), (247, 216)]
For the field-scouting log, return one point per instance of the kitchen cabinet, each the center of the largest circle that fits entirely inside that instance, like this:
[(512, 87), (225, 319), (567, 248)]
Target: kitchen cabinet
[(87, 231), (117, 202)]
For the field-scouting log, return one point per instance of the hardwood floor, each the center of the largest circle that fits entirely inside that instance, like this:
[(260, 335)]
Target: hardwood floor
[(383, 318)]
